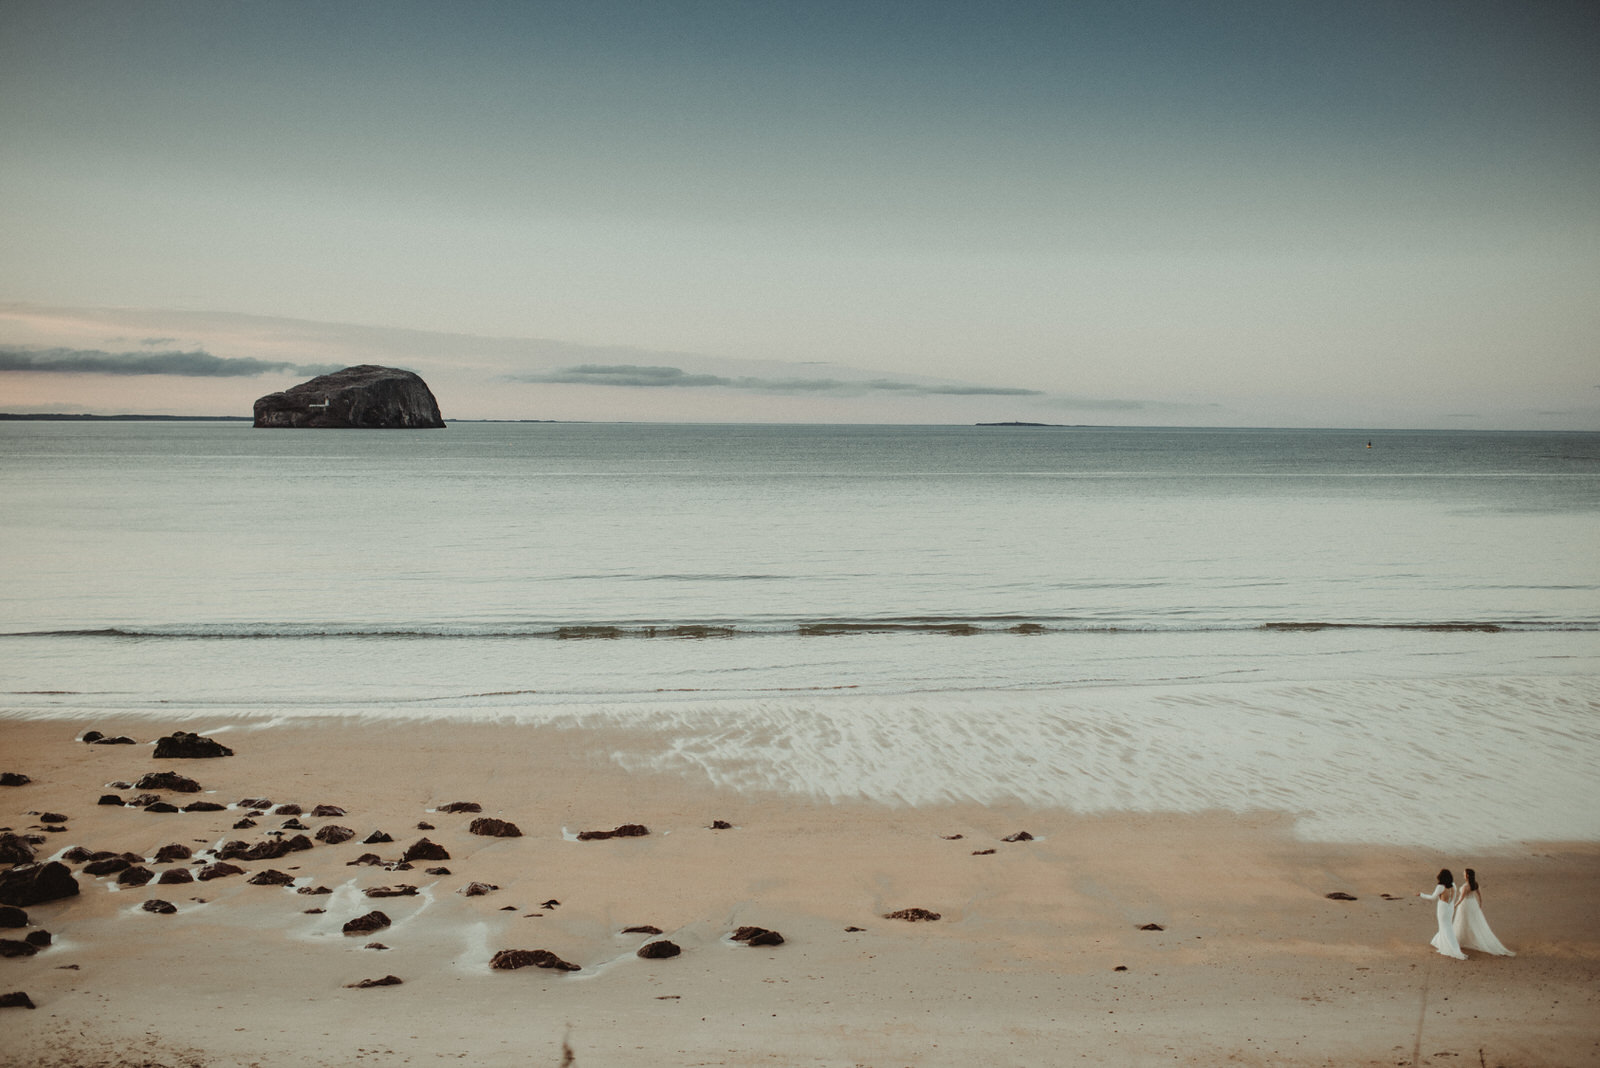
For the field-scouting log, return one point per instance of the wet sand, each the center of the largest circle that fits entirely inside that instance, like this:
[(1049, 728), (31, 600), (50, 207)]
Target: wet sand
[(1039, 956)]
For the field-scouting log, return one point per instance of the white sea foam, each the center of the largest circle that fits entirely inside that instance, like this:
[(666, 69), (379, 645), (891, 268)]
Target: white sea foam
[(1449, 763)]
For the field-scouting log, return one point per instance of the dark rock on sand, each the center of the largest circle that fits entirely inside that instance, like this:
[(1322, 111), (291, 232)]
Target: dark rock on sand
[(912, 915), (53, 817), (156, 905), (270, 849), (436, 871), (627, 830), (244, 824), (108, 866), (1339, 895), (362, 397), (161, 806), (403, 890), (292, 824), (461, 806), (313, 891), (203, 806), (477, 889), (492, 828), (376, 838), (219, 870), (1151, 927), (721, 825), (173, 851), (77, 855), (365, 858), (757, 936), (17, 999), (109, 799), (1020, 836), (327, 811), (168, 780), (659, 950), (259, 804), (424, 825), (137, 875), (12, 917), (144, 800), (173, 876), (644, 929), (92, 736), (372, 921), (183, 745), (121, 739), (38, 938), (271, 877), (388, 980), (508, 959), (983, 852), (14, 778), (14, 849), (422, 849), (288, 810), (333, 834), (10, 947)]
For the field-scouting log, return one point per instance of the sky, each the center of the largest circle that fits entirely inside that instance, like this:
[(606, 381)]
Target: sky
[(1168, 212)]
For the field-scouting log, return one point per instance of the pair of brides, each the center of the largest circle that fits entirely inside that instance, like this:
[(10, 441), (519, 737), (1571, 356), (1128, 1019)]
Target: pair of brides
[(1461, 922)]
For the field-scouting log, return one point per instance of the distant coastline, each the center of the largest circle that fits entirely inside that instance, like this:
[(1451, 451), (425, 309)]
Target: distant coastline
[(80, 417)]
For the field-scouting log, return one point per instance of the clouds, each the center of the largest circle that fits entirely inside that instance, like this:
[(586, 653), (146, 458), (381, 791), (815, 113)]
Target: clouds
[(652, 377), (197, 364)]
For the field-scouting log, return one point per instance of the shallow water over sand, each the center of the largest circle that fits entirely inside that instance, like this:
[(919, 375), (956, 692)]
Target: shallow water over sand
[(1399, 642)]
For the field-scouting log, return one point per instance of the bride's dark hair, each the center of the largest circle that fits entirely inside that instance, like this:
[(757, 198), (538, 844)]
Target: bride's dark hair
[(1444, 878), (1472, 879)]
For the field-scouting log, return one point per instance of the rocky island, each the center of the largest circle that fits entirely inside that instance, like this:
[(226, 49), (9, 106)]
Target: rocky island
[(363, 397)]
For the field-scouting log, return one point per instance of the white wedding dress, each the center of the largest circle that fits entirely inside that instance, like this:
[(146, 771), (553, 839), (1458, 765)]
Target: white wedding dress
[(1445, 941), (1472, 930)]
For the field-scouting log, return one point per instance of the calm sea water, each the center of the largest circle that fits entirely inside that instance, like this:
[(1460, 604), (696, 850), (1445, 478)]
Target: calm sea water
[(1343, 625)]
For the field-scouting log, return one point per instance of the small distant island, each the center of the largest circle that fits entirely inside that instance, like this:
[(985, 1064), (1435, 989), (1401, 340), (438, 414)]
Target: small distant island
[(364, 397), (1020, 424)]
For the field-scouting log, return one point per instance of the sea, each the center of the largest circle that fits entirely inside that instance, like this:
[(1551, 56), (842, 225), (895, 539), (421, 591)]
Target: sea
[(1387, 635)]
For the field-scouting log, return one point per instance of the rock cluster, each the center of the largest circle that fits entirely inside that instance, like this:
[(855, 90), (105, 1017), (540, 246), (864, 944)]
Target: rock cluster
[(182, 744), (757, 936), (509, 959), (627, 830), (34, 884), (372, 921)]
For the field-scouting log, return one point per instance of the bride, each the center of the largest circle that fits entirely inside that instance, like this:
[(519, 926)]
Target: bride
[(1445, 941), (1471, 929)]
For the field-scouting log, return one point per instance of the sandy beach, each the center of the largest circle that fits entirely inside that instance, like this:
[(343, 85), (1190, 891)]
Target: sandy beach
[(1040, 954)]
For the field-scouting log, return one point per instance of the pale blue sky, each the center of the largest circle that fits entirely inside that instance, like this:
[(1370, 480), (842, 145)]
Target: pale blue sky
[(1165, 212)]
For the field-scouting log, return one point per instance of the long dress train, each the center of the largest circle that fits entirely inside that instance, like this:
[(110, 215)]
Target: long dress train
[(1472, 930), (1445, 941)]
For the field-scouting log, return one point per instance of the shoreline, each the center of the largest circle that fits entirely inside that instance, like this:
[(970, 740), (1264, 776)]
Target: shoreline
[(1254, 964)]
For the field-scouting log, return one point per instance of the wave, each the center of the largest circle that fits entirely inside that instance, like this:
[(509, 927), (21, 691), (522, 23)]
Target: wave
[(951, 626)]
